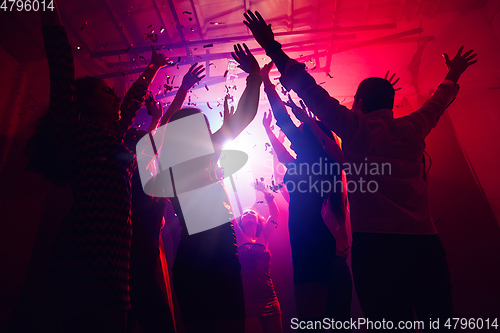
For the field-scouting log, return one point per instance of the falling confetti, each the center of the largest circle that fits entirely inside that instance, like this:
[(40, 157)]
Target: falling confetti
[(221, 114), (122, 71), (331, 77), (105, 44), (186, 12), (167, 88), (206, 87), (208, 104), (162, 29), (149, 26), (128, 49), (208, 45), (322, 82), (216, 23), (84, 25), (142, 58), (191, 29), (225, 73), (190, 18), (267, 146)]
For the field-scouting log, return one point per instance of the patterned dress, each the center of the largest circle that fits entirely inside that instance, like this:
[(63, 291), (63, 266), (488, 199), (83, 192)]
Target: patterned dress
[(260, 297), (89, 264)]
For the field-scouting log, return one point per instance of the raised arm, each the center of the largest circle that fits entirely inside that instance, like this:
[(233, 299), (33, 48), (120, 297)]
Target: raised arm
[(294, 76), (61, 70), (427, 116), (283, 119), (248, 103), (272, 220), (193, 75), (329, 145), (279, 149), (155, 110), (136, 93)]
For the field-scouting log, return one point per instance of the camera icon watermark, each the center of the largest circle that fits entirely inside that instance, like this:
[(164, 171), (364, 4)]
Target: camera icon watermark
[(179, 160)]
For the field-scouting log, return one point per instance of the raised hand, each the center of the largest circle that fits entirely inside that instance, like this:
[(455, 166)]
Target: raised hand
[(266, 120), (245, 59), (193, 76), (264, 72), (390, 80), (227, 112), (261, 31), (459, 63), (154, 108), (259, 186), (300, 112), (159, 59)]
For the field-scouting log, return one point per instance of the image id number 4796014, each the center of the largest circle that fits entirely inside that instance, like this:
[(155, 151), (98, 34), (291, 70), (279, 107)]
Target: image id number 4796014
[(27, 5), (471, 324)]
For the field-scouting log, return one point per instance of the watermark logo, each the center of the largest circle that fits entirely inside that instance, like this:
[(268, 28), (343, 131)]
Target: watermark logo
[(325, 176), (179, 160)]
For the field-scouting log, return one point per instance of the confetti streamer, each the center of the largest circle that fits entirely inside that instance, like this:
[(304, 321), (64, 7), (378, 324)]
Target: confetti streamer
[(331, 77), (267, 145), (128, 48), (212, 64), (186, 12), (208, 45), (225, 73), (208, 104), (322, 82), (142, 58)]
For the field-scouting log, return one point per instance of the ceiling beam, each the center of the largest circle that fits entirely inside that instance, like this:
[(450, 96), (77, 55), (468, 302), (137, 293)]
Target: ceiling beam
[(157, 10), (186, 44)]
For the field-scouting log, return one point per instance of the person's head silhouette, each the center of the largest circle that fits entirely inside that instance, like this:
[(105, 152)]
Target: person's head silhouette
[(373, 94)]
